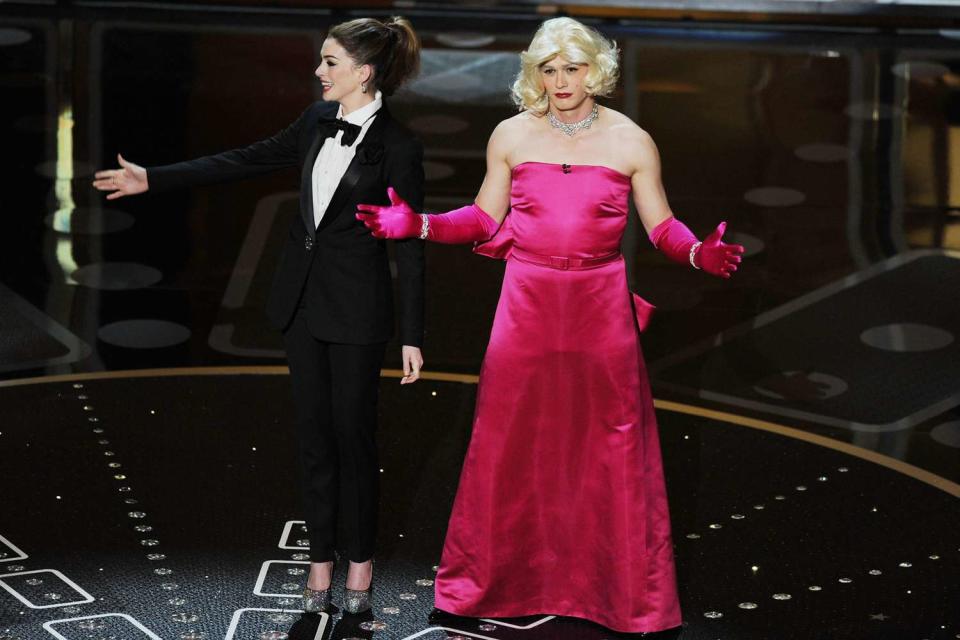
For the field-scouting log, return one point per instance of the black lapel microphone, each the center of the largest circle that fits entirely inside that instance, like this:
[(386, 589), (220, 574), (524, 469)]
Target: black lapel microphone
[(565, 168)]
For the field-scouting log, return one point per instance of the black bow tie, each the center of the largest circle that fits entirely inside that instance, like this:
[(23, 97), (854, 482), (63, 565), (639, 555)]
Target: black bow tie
[(350, 131)]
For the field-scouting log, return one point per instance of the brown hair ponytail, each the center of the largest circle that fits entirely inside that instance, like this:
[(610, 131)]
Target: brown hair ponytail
[(392, 48)]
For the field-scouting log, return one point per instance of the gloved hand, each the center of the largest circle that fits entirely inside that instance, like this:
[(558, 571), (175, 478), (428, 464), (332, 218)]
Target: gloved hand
[(714, 256), (398, 220)]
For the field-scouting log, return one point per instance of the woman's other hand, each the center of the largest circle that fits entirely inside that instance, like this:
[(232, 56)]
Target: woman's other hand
[(130, 179), (412, 363)]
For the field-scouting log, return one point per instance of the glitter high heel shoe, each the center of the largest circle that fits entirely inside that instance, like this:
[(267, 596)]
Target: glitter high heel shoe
[(315, 601), (355, 601), (358, 601)]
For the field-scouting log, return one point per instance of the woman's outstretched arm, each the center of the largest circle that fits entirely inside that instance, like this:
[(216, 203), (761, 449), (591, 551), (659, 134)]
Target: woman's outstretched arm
[(276, 152)]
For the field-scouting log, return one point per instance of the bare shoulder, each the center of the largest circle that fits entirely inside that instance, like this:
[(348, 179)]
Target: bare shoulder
[(510, 134), (641, 146), (615, 118), (635, 146), (514, 125), (626, 129)]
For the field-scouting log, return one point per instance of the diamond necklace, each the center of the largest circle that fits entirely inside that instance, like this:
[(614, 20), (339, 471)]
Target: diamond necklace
[(573, 127)]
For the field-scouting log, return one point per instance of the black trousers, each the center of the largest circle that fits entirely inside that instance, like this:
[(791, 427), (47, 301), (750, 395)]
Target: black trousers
[(335, 392)]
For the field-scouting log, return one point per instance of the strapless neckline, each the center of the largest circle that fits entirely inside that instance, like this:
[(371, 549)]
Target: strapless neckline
[(583, 166)]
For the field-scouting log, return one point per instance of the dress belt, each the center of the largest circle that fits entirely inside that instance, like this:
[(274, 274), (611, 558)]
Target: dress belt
[(561, 262)]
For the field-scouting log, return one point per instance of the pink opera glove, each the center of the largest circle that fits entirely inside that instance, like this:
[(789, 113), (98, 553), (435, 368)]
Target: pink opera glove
[(395, 221), (399, 220), (714, 256), (466, 224)]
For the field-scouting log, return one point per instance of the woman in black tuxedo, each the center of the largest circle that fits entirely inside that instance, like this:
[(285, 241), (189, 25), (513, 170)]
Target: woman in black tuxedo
[(332, 292)]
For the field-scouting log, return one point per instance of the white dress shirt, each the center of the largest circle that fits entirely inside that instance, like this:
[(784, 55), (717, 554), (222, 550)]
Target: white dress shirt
[(334, 158)]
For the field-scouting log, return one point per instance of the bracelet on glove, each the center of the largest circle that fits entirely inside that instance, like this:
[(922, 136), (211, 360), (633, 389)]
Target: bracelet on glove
[(424, 226), (693, 253)]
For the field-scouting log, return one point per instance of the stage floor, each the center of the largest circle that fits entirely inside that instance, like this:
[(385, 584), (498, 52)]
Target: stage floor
[(165, 505)]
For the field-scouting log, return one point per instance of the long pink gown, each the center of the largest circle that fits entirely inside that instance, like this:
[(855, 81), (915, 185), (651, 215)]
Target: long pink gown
[(561, 507)]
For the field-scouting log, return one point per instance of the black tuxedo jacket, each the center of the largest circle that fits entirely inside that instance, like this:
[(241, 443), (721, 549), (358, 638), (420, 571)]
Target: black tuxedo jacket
[(340, 268)]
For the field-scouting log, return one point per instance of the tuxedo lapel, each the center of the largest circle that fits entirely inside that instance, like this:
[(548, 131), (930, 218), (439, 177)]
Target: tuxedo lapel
[(360, 163), (306, 178)]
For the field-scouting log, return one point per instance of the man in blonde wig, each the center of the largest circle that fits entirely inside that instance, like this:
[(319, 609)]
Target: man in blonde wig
[(561, 507), (575, 42)]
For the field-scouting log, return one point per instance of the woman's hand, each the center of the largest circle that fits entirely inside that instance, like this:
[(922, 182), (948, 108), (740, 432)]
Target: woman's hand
[(130, 179), (716, 256), (398, 220), (412, 363)]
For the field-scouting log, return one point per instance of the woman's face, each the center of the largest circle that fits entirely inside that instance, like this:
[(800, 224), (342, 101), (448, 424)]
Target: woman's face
[(564, 83), (339, 73)]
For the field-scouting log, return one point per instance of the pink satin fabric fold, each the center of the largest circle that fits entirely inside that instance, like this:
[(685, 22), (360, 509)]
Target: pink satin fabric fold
[(500, 245), (561, 507)]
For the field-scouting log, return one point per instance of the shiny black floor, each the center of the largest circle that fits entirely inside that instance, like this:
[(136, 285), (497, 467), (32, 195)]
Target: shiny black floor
[(829, 152), (774, 537)]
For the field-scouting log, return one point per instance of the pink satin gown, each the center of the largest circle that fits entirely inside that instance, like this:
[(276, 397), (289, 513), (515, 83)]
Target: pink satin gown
[(561, 507)]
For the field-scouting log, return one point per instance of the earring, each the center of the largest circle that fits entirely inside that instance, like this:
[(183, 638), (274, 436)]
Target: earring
[(363, 87)]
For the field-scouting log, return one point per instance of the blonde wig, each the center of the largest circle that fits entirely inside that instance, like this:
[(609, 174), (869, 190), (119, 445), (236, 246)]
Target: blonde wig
[(577, 43)]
